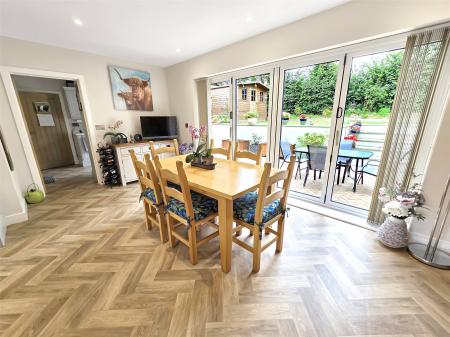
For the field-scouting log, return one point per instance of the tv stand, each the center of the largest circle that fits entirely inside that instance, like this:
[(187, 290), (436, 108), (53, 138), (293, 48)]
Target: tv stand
[(125, 164)]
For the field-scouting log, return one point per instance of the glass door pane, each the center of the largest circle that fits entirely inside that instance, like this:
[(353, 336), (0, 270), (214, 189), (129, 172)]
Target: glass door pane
[(253, 102), (220, 112), (309, 99), (371, 91)]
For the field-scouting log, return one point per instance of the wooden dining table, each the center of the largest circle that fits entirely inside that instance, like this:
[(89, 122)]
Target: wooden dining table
[(228, 181)]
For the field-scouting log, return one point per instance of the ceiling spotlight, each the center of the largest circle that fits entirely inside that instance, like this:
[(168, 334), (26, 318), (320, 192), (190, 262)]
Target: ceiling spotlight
[(77, 21), (178, 50), (249, 18)]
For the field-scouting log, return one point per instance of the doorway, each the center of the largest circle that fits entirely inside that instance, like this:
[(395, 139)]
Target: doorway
[(53, 114)]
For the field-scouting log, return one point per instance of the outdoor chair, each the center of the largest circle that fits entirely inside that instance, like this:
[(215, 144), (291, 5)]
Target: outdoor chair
[(371, 168), (316, 161), (344, 161), (286, 151)]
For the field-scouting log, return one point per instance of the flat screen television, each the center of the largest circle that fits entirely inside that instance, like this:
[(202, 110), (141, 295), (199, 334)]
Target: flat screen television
[(159, 127)]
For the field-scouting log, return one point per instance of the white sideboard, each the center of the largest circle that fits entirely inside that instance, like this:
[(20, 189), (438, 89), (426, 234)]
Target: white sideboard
[(124, 162)]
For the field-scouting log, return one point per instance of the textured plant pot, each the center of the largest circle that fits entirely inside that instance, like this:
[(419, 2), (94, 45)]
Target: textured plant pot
[(302, 121), (115, 139), (252, 121), (285, 121), (197, 160), (393, 233), (253, 148), (208, 160)]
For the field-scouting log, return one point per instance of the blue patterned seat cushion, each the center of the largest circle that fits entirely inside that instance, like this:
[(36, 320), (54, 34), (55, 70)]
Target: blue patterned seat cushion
[(202, 205), (244, 208), (150, 195)]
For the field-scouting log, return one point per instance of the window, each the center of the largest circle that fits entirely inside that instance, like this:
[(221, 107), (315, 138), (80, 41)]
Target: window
[(253, 95), (261, 96), (244, 94)]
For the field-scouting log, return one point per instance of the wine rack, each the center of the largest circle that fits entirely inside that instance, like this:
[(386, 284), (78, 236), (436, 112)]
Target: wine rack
[(107, 161)]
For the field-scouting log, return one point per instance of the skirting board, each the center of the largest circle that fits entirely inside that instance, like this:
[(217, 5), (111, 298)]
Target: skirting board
[(2, 231)]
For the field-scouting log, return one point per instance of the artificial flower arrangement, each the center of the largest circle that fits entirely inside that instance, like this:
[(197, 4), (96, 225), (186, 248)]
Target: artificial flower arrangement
[(201, 151), (402, 205)]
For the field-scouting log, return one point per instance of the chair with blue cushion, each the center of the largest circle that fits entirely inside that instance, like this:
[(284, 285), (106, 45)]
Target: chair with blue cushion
[(170, 148), (258, 211), (241, 154), (227, 152), (185, 208), (151, 193)]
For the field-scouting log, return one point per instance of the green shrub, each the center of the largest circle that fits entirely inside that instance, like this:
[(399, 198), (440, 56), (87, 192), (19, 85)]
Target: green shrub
[(251, 114), (384, 112), (297, 110), (221, 118), (327, 112), (313, 138)]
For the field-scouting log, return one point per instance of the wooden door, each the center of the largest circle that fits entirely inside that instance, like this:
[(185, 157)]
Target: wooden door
[(47, 128)]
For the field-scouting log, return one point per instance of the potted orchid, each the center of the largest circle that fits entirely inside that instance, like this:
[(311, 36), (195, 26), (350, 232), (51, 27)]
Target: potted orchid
[(399, 206), (117, 137), (201, 152)]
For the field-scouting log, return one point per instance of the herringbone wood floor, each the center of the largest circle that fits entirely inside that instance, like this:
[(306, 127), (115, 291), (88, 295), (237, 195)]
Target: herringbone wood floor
[(84, 265)]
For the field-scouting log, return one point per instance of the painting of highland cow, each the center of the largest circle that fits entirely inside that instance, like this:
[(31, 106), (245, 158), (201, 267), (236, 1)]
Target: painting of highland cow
[(131, 89)]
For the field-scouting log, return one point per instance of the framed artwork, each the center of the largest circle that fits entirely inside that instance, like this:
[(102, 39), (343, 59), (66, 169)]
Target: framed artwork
[(131, 89)]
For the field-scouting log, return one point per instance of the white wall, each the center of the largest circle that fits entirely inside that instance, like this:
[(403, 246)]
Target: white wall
[(349, 22), (93, 68)]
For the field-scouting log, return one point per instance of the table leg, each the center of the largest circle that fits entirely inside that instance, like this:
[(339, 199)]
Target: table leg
[(356, 174), (225, 232)]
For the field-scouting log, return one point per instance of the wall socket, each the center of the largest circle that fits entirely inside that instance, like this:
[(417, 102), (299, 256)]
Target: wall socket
[(99, 127)]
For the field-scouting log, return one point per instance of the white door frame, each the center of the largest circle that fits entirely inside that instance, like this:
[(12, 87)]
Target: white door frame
[(6, 73)]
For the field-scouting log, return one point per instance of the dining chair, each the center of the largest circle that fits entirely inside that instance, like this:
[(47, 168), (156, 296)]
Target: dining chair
[(316, 161), (172, 148), (259, 210), (256, 157), (186, 208), (227, 152), (151, 192)]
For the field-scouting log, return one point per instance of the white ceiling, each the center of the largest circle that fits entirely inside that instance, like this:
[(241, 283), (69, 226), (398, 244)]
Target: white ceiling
[(149, 31)]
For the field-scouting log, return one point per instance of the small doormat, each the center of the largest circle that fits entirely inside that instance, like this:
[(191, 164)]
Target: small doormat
[(49, 179)]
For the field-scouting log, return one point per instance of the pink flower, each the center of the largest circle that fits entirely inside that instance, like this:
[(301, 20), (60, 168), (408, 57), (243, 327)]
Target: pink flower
[(406, 202), (203, 131), (194, 132)]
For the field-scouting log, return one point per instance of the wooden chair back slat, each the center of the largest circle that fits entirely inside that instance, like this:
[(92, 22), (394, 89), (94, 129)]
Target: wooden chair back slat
[(173, 148), (219, 150), (146, 175), (249, 155), (165, 176), (265, 195)]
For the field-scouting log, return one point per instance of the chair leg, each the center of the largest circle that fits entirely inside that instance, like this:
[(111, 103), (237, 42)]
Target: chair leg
[(163, 229), (320, 174), (314, 174), (148, 213), (345, 172), (256, 249), (280, 234), (306, 176), (170, 229), (193, 244)]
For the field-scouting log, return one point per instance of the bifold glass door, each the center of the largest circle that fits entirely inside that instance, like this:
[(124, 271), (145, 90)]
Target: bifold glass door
[(333, 106), (253, 106)]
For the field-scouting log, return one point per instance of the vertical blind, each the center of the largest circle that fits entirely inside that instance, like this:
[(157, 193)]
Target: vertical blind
[(422, 62)]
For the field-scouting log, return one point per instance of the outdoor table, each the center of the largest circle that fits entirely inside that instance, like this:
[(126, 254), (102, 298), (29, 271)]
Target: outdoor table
[(358, 155)]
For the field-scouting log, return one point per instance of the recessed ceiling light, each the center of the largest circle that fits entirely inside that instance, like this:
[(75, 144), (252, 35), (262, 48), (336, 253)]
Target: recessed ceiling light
[(178, 50), (249, 18), (77, 21)]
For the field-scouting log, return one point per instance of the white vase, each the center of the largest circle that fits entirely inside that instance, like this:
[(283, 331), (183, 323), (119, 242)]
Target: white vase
[(393, 233)]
